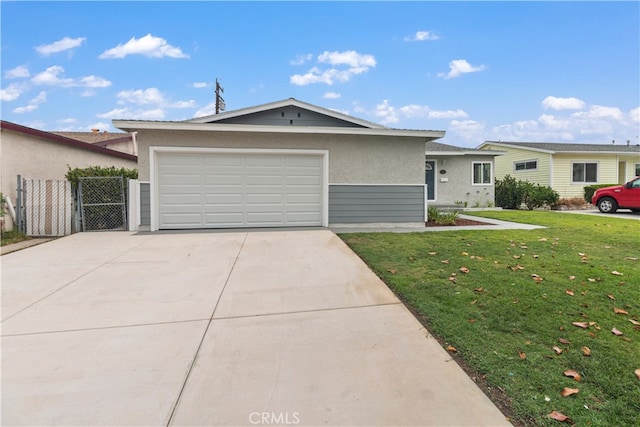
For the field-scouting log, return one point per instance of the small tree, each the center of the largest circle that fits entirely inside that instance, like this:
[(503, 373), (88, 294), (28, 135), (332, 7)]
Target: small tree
[(509, 193)]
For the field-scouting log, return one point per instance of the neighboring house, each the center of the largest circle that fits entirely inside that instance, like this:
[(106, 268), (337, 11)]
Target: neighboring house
[(37, 154), (459, 177), (567, 168), (286, 163), (119, 141)]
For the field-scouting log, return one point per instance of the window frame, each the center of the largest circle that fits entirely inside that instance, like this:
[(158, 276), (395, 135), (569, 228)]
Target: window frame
[(473, 176), (637, 169), (525, 162), (584, 177)]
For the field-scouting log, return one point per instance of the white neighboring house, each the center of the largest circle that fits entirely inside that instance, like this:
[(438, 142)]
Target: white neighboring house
[(37, 154)]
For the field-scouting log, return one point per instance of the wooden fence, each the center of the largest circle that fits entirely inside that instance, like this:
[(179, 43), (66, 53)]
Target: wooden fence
[(47, 207)]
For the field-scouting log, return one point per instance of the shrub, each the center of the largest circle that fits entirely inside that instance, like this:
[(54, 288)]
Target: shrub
[(440, 217), (74, 175), (509, 192), (590, 189), (537, 196)]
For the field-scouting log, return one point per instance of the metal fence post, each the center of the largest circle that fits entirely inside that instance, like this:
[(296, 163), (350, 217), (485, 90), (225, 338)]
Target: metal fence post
[(19, 205)]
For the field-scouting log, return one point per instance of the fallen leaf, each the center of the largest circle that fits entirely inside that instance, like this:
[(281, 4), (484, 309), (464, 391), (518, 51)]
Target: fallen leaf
[(478, 290), (564, 341), (611, 297), (464, 253), (635, 322), (559, 416), (522, 355), (537, 278), (557, 349), (572, 373), (445, 261), (581, 254), (591, 280), (631, 258), (583, 325), (473, 302), (619, 311), (517, 256), (572, 277), (616, 331), (617, 273), (544, 239), (584, 259), (464, 269), (637, 372), (452, 278), (536, 256), (523, 247), (392, 271), (471, 320), (569, 292), (586, 351), (452, 349), (568, 391)]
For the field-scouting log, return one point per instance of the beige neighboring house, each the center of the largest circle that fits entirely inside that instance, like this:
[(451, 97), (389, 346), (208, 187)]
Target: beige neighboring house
[(567, 168), (37, 154), (118, 141)]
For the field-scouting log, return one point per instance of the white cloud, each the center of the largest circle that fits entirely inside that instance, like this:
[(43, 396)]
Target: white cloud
[(458, 67), (634, 115), (138, 114), (301, 59), (386, 112), (600, 112), (11, 92), (355, 63), (553, 103), (69, 121), (54, 76), (331, 95), (422, 36), (33, 104), (141, 97), (448, 114), (207, 110), (150, 46), (183, 104), (468, 130), (60, 45), (201, 85), (19, 72)]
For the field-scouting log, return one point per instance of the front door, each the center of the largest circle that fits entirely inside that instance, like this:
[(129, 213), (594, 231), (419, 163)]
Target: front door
[(430, 178)]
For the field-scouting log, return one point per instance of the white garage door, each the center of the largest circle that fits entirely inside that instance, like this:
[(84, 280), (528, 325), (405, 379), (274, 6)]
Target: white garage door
[(223, 190)]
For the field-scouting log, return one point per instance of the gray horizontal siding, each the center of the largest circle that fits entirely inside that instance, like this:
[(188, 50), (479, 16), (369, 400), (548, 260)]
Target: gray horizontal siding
[(349, 204), (145, 203)]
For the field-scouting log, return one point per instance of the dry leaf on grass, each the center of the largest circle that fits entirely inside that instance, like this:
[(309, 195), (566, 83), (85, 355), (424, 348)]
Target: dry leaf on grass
[(611, 297), (445, 261), (572, 277), (537, 278), (586, 351), (564, 341), (635, 322), (568, 391), (559, 416), (583, 325), (557, 349), (569, 292), (572, 373), (631, 258), (617, 273), (522, 355), (616, 331), (619, 311), (591, 280), (478, 290), (464, 269), (432, 253), (637, 372), (452, 349), (392, 271)]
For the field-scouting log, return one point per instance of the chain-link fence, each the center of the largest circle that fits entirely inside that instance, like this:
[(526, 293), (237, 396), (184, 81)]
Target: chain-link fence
[(102, 203)]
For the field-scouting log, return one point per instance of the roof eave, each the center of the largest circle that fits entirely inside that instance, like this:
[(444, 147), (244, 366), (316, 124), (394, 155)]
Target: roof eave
[(133, 125)]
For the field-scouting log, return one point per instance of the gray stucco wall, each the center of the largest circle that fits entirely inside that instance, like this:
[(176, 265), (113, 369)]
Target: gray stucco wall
[(145, 203), (350, 204), (353, 159), (459, 186)]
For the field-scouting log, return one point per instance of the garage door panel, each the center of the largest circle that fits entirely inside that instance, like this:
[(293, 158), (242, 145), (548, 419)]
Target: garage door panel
[(214, 190)]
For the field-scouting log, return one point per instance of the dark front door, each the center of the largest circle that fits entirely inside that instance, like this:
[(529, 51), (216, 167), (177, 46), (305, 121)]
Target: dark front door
[(430, 178)]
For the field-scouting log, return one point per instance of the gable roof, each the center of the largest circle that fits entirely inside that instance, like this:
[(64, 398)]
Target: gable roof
[(63, 140), (290, 102), (556, 147), (99, 138), (438, 148)]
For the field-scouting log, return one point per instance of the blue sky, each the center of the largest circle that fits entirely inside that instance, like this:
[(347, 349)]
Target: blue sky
[(513, 71)]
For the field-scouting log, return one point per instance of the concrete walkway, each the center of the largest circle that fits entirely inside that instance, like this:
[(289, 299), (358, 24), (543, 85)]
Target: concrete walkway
[(237, 328)]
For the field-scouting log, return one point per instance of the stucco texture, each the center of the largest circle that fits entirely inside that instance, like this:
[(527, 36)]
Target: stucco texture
[(38, 158), (458, 188), (353, 159)]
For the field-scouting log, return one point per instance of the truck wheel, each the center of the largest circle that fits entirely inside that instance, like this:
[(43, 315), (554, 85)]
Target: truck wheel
[(607, 205)]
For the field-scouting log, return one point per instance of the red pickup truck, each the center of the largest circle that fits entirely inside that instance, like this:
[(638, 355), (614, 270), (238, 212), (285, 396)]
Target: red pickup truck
[(626, 196)]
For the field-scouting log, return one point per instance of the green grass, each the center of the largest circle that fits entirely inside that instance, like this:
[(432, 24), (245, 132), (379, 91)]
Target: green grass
[(497, 310), (12, 236)]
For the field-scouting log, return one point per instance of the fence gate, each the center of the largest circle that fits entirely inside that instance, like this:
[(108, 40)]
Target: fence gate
[(47, 207), (102, 203)]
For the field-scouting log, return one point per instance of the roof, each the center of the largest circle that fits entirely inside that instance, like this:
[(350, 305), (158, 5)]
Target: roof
[(100, 138), (556, 147), (63, 140), (436, 148), (290, 102), (214, 124)]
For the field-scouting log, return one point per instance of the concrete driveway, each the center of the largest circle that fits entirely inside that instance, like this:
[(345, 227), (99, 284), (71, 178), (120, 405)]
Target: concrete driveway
[(205, 328)]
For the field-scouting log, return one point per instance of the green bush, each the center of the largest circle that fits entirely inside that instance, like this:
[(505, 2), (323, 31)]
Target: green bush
[(440, 217), (512, 193), (74, 175), (590, 189), (509, 193)]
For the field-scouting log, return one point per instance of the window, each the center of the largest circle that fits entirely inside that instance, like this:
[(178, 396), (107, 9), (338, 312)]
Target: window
[(637, 169), (481, 173), (584, 172), (527, 165)]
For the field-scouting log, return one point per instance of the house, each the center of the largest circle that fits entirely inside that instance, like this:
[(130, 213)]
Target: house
[(37, 154), (459, 177), (281, 164), (119, 141), (567, 168)]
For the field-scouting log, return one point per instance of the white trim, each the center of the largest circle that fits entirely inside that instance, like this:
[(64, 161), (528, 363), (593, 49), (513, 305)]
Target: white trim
[(515, 162), (133, 125), (435, 178), (416, 184), (481, 184), (426, 203), (153, 172), (597, 163)]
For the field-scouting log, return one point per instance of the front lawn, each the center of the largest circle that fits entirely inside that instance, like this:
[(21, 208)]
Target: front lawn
[(529, 313)]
